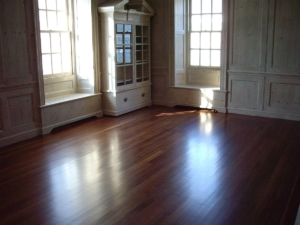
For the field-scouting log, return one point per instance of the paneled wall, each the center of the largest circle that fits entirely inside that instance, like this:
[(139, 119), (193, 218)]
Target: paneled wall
[(160, 42), (264, 58), (19, 92)]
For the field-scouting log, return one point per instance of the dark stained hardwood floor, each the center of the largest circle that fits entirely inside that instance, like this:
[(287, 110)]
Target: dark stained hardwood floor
[(156, 165)]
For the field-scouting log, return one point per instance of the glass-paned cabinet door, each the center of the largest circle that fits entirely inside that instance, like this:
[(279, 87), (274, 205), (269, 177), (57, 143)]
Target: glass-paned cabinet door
[(142, 55), (124, 52), (124, 75)]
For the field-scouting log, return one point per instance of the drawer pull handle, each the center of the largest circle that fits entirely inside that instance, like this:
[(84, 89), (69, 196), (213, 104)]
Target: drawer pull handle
[(125, 99), (143, 95)]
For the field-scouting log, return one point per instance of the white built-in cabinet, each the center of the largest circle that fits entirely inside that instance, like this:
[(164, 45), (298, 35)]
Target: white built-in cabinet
[(125, 55)]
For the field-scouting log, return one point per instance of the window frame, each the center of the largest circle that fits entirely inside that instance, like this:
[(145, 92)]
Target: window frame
[(70, 23), (189, 32)]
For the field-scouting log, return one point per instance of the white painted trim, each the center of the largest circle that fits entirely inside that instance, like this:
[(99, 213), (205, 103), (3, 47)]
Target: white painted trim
[(249, 112), (47, 129)]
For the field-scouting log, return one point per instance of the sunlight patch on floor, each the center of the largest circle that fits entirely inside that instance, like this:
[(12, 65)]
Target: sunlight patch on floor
[(177, 113)]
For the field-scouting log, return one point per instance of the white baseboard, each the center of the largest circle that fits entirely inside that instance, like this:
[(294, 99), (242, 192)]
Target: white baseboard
[(20, 137), (264, 114)]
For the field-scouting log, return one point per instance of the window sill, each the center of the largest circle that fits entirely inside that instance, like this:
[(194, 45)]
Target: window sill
[(66, 98), (196, 87)]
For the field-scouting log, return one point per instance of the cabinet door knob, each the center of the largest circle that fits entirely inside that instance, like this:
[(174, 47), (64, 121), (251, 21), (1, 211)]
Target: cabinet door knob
[(143, 95), (125, 99)]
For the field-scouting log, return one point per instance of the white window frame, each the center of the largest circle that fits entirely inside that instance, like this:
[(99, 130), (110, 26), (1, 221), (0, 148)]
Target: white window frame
[(200, 31), (69, 30), (84, 35)]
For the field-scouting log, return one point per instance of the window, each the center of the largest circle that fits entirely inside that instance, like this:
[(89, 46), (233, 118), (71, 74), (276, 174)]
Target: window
[(67, 53), (55, 34), (205, 25)]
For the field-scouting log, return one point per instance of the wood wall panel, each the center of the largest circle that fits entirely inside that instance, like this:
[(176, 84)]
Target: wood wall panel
[(246, 91), (246, 34), (283, 94), (20, 110), (285, 41), (20, 117), (1, 57), (59, 86), (204, 77), (160, 44), (14, 38), (159, 34), (1, 117)]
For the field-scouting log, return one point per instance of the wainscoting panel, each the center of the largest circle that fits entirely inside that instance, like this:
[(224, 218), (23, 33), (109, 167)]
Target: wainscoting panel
[(283, 95), (204, 77), (59, 86), (246, 92), (20, 118), (20, 110), (54, 115)]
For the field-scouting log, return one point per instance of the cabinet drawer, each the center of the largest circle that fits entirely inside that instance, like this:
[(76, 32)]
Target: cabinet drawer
[(133, 97)]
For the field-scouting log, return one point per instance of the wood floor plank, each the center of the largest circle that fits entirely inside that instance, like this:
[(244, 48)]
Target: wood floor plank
[(157, 165)]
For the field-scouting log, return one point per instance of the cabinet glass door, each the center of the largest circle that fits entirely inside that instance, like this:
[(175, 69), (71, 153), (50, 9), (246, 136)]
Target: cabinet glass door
[(142, 55), (124, 50)]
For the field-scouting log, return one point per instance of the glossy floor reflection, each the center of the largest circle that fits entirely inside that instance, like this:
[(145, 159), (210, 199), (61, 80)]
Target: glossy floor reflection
[(157, 165)]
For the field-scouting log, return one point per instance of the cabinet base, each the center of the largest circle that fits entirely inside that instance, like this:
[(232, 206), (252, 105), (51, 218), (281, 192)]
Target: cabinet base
[(126, 110)]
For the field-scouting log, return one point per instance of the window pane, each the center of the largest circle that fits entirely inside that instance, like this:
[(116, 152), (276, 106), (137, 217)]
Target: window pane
[(65, 42), (196, 6), (196, 23), (195, 40), (216, 40), (127, 38), (215, 58), (129, 74), (120, 55), (206, 22), (61, 5), (217, 6), (62, 21), (194, 58), (55, 42), (52, 23), (43, 20), (45, 43), (205, 40), (217, 22), (42, 4), (51, 4), (119, 27), (119, 39), (206, 6), (127, 54), (66, 63), (128, 28), (205, 58), (47, 69), (56, 63)]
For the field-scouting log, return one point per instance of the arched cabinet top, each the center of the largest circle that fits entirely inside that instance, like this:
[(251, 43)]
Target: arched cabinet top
[(131, 6)]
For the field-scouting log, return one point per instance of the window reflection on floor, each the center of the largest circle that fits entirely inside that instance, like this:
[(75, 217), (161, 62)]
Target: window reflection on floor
[(73, 182), (202, 161)]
